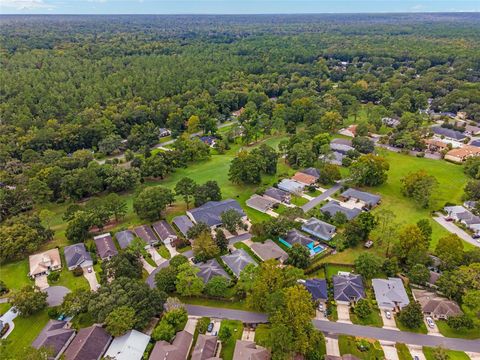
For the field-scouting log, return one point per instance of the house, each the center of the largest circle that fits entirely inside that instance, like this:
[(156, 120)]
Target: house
[(448, 134), (211, 212), (461, 154), (350, 131), (183, 224), (163, 132), (319, 229), (348, 288), (260, 203), (390, 293), (177, 350), (365, 198), (205, 348), (475, 143), (342, 141), (390, 122), (44, 263), (312, 172), (332, 207), (436, 306), (436, 145), (305, 179), (248, 350), (89, 344), (434, 276), (296, 237), (454, 211), (470, 205), (165, 232), (291, 186), (317, 288), (341, 148), (335, 158), (237, 261), (277, 195), (146, 233), (105, 247), (269, 250), (129, 346), (238, 112), (124, 238), (208, 140), (209, 269), (77, 256), (55, 336)]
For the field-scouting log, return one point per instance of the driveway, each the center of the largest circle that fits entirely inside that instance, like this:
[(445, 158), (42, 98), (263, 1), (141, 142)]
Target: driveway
[(7, 318), (248, 334), (312, 203), (343, 312), (220, 313), (390, 352), (155, 255), (388, 323), (92, 279), (148, 268), (41, 282), (216, 327), (454, 229), (332, 345), (56, 295), (416, 351), (172, 250), (191, 325), (434, 330)]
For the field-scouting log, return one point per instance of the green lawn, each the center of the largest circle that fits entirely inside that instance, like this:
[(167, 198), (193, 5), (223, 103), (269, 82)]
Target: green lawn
[(403, 352), (163, 251), (228, 347), (261, 334), (334, 269), (298, 200), (447, 331), (452, 355), (374, 319), (421, 330), (69, 281), (4, 307), (347, 345), (241, 245), (15, 275)]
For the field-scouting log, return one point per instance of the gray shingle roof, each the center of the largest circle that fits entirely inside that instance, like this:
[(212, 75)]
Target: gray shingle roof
[(291, 186), (248, 350), (449, 133), (341, 148), (89, 344), (332, 207), (210, 213), (54, 336), (259, 203), (124, 238), (210, 269), (237, 261), (178, 350), (183, 223), (312, 172), (390, 292), (77, 255), (269, 250), (296, 237), (319, 228), (366, 197), (164, 230), (277, 194), (205, 347), (317, 288), (146, 233), (348, 288), (105, 246)]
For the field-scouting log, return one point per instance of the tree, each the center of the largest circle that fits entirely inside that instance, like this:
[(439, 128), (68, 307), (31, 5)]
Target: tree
[(298, 256), (419, 274), (232, 220), (204, 247), (177, 318), (439, 353), (178, 260), (245, 168), (197, 229), (460, 322), (450, 251), (221, 240), (186, 187), (225, 333), (411, 315), (411, 247), (426, 228), (329, 173), (210, 191), (362, 308), (173, 303), (163, 331), (76, 302), (369, 170), (188, 283), (28, 300), (165, 279), (386, 230), (471, 167), (471, 299), (359, 228), (363, 144), (419, 186), (368, 265), (390, 267), (472, 190), (459, 281), (115, 205), (78, 228), (152, 201), (120, 320), (217, 286), (126, 263)]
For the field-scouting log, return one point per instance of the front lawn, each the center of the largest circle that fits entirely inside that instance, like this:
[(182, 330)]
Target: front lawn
[(163, 251), (403, 352), (298, 200), (332, 269), (228, 347), (374, 319), (421, 330), (70, 281), (452, 355), (447, 331), (4, 307), (348, 345), (15, 274), (262, 332)]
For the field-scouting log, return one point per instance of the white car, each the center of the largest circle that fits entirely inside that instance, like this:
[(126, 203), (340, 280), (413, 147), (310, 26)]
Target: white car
[(320, 307), (430, 322), (388, 315)]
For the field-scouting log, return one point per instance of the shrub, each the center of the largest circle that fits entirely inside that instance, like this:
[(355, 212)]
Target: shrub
[(362, 345), (53, 276), (460, 322), (202, 325), (78, 271), (3, 288)]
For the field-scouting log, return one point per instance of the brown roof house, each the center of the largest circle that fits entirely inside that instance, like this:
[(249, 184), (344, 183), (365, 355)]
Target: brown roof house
[(44, 263), (105, 247), (459, 155), (89, 344), (55, 336), (304, 178), (165, 232), (146, 233), (177, 350), (205, 348), (436, 306), (248, 350)]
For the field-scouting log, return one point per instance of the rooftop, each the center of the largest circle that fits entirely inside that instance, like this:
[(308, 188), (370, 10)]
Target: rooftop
[(129, 346), (146, 233), (436, 305), (269, 250), (90, 343), (296, 237), (260, 203), (237, 261), (54, 336), (210, 213), (43, 262), (348, 288), (317, 288), (291, 186), (205, 347), (312, 172), (366, 197), (124, 238), (304, 178), (390, 292), (248, 350), (164, 230), (77, 255), (183, 223), (319, 228), (332, 207), (209, 269), (105, 246), (450, 133), (177, 350), (277, 194)]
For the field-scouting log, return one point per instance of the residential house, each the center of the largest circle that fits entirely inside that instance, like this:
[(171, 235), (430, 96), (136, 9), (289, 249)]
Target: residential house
[(318, 228), (342, 141), (363, 197), (475, 143), (177, 350), (105, 247), (208, 140), (312, 172), (305, 179), (260, 203), (277, 195), (461, 154), (332, 207), (470, 205), (248, 350), (436, 306), (129, 346), (205, 348), (448, 134), (341, 148), (291, 186), (164, 132), (238, 112), (350, 131), (44, 263), (124, 238), (77, 256), (269, 250), (209, 269), (390, 294), (183, 224), (317, 288), (165, 232), (390, 122), (296, 237), (237, 261), (335, 158), (454, 211), (435, 145), (211, 212), (146, 233), (55, 336), (89, 344), (348, 289)]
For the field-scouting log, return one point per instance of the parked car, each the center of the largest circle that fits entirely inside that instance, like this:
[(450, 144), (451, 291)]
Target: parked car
[(430, 322), (476, 236), (61, 317), (388, 315), (416, 357), (320, 307), (89, 269), (448, 219), (210, 327)]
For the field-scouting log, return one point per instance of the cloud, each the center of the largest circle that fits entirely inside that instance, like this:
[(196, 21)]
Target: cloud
[(26, 4)]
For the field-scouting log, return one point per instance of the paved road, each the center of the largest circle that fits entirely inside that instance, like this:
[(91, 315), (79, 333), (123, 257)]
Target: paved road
[(454, 229), (312, 203), (244, 316)]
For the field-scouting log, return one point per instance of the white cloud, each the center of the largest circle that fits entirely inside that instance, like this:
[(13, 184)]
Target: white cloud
[(25, 4)]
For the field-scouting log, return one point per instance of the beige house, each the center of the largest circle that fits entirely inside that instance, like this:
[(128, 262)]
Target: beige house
[(461, 154), (436, 306), (44, 263)]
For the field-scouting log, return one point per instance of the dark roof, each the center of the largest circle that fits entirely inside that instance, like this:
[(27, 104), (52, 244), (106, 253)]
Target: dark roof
[(348, 287), (296, 237), (76, 255), (277, 194), (341, 141), (317, 288), (205, 347), (54, 336), (312, 172), (146, 233), (183, 223), (124, 238), (89, 344), (237, 261), (366, 197), (269, 250), (209, 140), (319, 228), (450, 133), (210, 212), (209, 269), (164, 230), (105, 246), (248, 350), (332, 207), (475, 143), (178, 350)]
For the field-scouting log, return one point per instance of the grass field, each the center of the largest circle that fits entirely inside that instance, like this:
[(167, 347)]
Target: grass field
[(4, 307), (403, 352), (452, 355), (347, 345), (261, 334), (228, 347), (447, 331), (421, 330), (374, 319), (72, 282), (14, 275), (236, 305)]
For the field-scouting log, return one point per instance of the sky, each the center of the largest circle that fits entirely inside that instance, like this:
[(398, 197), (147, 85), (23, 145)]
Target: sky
[(232, 6)]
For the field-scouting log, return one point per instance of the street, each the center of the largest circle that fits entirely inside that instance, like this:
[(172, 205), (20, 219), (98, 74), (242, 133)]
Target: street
[(454, 229), (314, 202)]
